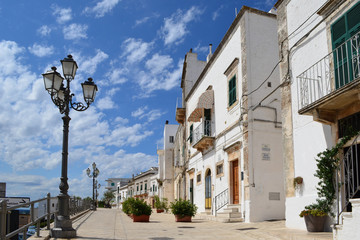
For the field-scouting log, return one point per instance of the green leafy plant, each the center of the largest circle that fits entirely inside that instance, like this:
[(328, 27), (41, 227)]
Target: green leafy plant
[(183, 208), (161, 204), (127, 204), (327, 163), (140, 207)]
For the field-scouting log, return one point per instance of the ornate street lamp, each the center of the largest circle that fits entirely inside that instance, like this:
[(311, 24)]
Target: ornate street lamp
[(93, 175), (63, 99)]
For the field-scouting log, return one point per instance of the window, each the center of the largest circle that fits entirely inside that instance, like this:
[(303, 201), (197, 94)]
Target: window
[(145, 186), (219, 169), (191, 133), (232, 91), (198, 178), (341, 31), (141, 187), (171, 139), (137, 188), (112, 184)]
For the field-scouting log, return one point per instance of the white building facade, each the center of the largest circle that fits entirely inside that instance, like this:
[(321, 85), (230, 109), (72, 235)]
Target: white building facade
[(319, 72), (166, 163), (233, 131)]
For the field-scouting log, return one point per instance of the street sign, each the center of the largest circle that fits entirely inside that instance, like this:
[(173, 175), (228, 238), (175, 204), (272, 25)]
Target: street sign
[(13, 201)]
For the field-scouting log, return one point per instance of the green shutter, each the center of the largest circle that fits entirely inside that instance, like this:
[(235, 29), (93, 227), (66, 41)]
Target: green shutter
[(341, 31), (191, 133), (353, 17), (232, 91)]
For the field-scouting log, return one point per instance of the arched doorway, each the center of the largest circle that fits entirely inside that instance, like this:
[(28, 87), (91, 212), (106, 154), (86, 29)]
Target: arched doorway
[(208, 189)]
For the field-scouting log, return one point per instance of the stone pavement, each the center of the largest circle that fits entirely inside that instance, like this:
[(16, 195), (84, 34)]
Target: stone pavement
[(106, 224)]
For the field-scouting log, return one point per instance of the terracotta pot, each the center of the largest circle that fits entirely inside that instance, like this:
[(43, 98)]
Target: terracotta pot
[(182, 219), (314, 223), (141, 218), (159, 210)]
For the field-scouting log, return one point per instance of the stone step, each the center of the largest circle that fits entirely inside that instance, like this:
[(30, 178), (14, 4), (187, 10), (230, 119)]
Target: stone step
[(228, 210), (347, 215), (229, 220), (229, 215)]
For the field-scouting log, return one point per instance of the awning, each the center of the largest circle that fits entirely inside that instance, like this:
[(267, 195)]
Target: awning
[(206, 100)]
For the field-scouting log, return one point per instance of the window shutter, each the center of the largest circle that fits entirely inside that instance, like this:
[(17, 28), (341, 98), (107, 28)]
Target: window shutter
[(232, 90), (353, 17)]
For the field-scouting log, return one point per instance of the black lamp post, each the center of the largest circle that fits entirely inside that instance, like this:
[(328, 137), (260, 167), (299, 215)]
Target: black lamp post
[(97, 186), (63, 99), (93, 175)]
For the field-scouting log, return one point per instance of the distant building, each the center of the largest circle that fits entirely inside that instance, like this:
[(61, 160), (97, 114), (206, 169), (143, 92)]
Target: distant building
[(143, 186), (113, 182), (166, 163)]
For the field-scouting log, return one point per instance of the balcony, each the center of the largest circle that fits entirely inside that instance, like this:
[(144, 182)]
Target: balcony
[(201, 136), (331, 87), (180, 115)]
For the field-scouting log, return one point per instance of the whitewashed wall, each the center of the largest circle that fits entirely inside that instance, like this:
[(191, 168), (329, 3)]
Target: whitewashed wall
[(261, 56), (309, 137)]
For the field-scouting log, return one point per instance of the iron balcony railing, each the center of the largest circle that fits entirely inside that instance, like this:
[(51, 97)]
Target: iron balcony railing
[(332, 72), (203, 130), (221, 200), (348, 177)]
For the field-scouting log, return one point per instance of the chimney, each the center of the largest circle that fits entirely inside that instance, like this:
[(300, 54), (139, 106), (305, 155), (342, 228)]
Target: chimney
[(191, 50), (167, 122), (210, 53)]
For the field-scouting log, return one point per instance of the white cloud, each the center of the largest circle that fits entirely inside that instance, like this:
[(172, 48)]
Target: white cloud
[(175, 27), (158, 63), (139, 112), (41, 50), (146, 19), (115, 76), (44, 30), (75, 31), (216, 14), (89, 65), (165, 80), (135, 50), (105, 103), (121, 120), (201, 49), (101, 8), (63, 15), (143, 112)]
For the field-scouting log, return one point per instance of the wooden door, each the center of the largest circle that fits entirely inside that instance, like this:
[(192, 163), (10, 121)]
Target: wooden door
[(235, 177)]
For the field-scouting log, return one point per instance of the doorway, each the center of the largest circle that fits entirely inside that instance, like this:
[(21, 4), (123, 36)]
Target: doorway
[(235, 181), (192, 191), (208, 190)]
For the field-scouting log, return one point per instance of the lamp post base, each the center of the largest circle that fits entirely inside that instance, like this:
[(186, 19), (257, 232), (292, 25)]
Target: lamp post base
[(63, 233), (63, 228)]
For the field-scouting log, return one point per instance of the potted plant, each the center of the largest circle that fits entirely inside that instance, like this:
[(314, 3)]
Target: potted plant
[(315, 217), (183, 210), (126, 206), (298, 181), (161, 206), (327, 163), (140, 210)]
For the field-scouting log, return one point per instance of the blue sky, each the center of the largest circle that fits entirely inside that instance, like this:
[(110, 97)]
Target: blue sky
[(134, 51)]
